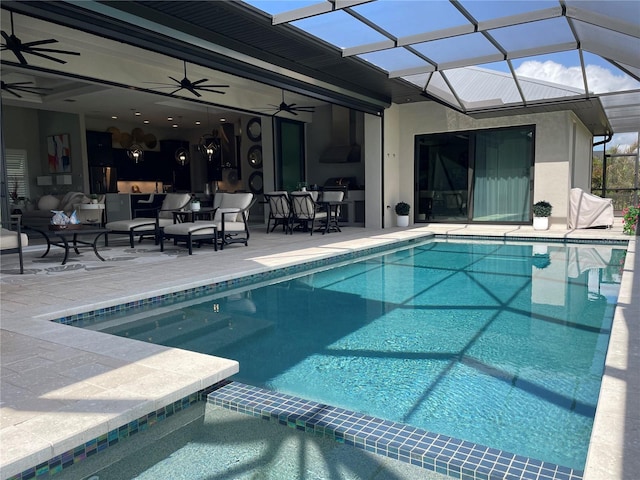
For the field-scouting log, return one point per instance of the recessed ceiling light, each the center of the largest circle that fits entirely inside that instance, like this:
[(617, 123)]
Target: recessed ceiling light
[(145, 121), (175, 126), (223, 119), (197, 122), (169, 118), (138, 114), (115, 117)]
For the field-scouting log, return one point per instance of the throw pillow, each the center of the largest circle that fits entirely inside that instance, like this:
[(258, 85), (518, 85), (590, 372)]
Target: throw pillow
[(48, 202), (70, 199)]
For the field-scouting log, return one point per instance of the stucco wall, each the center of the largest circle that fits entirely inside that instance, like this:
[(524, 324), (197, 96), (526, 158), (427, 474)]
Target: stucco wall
[(557, 143)]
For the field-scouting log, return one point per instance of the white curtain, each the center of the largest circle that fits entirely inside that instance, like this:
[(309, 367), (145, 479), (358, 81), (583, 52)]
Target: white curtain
[(502, 169)]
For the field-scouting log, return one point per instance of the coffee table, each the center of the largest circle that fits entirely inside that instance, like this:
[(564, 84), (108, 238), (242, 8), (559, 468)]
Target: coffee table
[(68, 238)]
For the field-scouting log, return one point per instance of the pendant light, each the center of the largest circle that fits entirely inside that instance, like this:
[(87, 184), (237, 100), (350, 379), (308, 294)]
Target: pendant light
[(182, 156), (136, 153), (208, 144)]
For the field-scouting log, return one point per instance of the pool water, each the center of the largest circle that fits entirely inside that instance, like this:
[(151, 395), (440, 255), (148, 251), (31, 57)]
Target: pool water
[(495, 343)]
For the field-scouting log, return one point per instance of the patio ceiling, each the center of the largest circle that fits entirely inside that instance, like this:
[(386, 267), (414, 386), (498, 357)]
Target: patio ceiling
[(483, 58)]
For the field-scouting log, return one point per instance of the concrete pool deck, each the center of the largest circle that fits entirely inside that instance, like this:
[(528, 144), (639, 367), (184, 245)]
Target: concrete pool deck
[(62, 386)]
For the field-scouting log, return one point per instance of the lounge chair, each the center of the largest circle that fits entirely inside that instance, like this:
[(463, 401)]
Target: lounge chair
[(12, 241), (230, 224), (279, 211), (190, 232), (147, 221)]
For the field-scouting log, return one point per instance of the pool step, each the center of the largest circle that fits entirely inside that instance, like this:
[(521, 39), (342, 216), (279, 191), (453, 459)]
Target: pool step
[(440, 453)]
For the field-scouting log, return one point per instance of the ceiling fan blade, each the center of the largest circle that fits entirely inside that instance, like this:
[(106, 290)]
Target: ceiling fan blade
[(292, 105), (207, 89), (177, 90), (193, 90), (39, 42), (9, 90), (52, 50), (21, 58), (34, 90), (5, 36), (48, 57), (177, 81), (198, 82)]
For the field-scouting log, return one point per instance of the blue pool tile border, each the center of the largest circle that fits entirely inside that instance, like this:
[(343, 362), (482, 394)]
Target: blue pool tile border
[(439, 453), (82, 452), (247, 280), (239, 282)]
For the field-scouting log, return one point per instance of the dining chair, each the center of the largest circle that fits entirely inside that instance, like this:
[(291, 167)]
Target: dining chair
[(279, 211), (305, 211), (329, 203)]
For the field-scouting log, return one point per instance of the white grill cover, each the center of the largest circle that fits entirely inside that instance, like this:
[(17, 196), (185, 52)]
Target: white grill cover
[(587, 210)]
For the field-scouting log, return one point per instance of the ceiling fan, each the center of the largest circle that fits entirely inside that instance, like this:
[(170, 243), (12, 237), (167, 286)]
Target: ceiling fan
[(292, 108), (14, 88), (13, 43), (190, 86)]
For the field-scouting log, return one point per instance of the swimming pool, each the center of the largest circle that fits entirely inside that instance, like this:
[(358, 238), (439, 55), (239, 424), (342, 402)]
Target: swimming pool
[(499, 344)]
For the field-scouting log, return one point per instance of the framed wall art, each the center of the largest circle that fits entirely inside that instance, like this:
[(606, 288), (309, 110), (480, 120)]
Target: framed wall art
[(59, 153)]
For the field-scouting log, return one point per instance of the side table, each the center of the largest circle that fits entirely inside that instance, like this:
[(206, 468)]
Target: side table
[(91, 213)]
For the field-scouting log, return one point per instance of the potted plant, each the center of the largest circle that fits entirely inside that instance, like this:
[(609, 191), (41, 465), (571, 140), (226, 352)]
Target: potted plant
[(195, 204), (94, 198), (541, 214), (402, 211)]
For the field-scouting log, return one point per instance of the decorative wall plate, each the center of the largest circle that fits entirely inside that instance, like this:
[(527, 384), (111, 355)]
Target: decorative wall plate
[(255, 156), (254, 129), (256, 183), (150, 140), (115, 134)]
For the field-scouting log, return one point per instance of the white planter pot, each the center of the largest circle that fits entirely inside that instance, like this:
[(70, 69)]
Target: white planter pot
[(195, 206), (540, 250), (540, 223), (403, 220)]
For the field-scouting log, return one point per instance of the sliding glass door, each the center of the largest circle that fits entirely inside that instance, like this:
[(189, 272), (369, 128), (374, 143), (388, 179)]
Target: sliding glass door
[(476, 176), (443, 177)]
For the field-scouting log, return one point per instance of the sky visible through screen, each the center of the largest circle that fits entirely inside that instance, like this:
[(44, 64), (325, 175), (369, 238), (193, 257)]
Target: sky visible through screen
[(395, 16)]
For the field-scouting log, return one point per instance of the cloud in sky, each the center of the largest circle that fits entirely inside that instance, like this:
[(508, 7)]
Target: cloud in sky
[(600, 80)]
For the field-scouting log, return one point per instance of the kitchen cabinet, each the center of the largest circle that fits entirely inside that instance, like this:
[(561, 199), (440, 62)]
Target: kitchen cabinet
[(154, 167), (99, 149), (122, 206)]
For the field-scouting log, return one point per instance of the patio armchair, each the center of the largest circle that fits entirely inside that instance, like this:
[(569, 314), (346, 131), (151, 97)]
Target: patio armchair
[(279, 211), (232, 217), (12, 241), (305, 211), (148, 221)]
